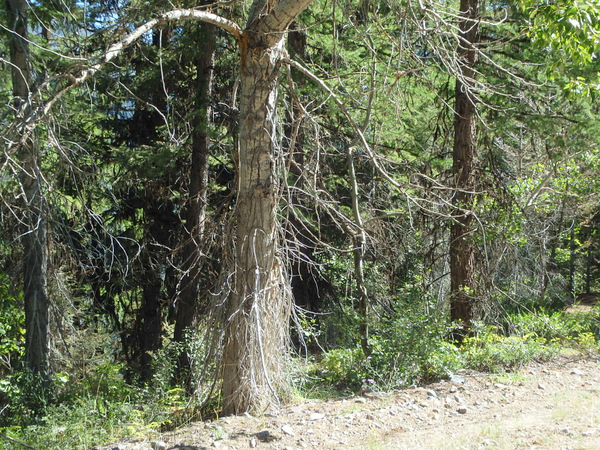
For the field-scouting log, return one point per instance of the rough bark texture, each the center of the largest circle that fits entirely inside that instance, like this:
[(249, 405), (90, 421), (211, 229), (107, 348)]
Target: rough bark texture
[(195, 215), (462, 245), (34, 234), (258, 305)]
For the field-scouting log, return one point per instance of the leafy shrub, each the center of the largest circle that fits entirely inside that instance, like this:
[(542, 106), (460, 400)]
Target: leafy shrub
[(556, 327), (491, 351)]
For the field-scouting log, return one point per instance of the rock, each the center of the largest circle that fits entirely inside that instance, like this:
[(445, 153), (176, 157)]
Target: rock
[(462, 410), (542, 387), (253, 443), (265, 436), (432, 393), (457, 379), (577, 372), (158, 445), (589, 432), (286, 429), (318, 416)]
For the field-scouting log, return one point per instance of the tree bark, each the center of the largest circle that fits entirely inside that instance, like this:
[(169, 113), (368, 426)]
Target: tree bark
[(195, 216), (462, 245), (34, 233), (258, 305)]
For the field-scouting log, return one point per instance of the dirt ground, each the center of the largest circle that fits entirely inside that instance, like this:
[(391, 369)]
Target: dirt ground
[(554, 405)]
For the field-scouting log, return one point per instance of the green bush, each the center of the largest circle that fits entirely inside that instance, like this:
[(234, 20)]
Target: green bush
[(491, 351), (558, 327)]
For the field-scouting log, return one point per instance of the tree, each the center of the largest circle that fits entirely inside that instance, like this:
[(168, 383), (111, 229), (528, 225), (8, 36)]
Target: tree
[(462, 245), (258, 302), (34, 222), (195, 213)]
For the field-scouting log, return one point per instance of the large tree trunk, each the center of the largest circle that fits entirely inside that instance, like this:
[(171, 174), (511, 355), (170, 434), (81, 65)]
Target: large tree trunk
[(258, 305), (462, 244), (34, 237), (195, 215)]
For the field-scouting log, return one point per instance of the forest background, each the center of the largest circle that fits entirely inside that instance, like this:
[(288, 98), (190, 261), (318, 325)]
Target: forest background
[(213, 207)]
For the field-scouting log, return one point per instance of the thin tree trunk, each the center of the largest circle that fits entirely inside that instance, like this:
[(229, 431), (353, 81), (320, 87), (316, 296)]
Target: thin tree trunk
[(571, 282), (160, 222), (359, 242), (304, 284), (258, 305), (34, 237), (187, 299), (462, 245)]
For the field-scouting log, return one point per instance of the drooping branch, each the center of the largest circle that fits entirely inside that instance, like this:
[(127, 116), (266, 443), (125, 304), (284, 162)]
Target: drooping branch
[(26, 127)]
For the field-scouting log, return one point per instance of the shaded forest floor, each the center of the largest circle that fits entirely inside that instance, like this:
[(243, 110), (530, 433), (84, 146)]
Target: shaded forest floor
[(551, 405)]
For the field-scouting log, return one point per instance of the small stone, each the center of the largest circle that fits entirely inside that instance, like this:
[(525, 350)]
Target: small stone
[(453, 389), (265, 436), (370, 417), (316, 416), (457, 379), (462, 410), (589, 432), (158, 445), (361, 400), (577, 372), (432, 393), (542, 387), (253, 443), (286, 429)]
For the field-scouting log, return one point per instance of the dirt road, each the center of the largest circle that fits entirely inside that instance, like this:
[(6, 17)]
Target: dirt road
[(555, 405)]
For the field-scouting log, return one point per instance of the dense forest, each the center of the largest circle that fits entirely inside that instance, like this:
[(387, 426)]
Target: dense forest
[(215, 206)]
